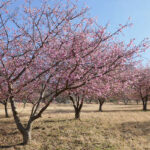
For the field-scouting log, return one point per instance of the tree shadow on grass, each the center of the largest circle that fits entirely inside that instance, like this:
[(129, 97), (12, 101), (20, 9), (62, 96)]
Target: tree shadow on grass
[(60, 111), (64, 120), (67, 111), (11, 117), (135, 128), (2, 116), (6, 123), (133, 110), (129, 106), (10, 146)]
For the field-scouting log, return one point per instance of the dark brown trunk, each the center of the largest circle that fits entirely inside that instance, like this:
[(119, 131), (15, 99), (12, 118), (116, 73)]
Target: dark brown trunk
[(101, 102), (25, 132), (77, 106), (144, 100), (27, 135), (125, 101), (6, 110), (100, 107), (144, 105), (77, 113), (78, 110)]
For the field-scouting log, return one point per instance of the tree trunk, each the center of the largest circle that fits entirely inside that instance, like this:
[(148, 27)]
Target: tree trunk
[(25, 132), (125, 101), (6, 110), (101, 102), (77, 106), (100, 107), (26, 136), (77, 113), (144, 105)]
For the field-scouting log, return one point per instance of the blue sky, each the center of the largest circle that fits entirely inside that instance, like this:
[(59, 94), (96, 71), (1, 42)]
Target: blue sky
[(117, 12)]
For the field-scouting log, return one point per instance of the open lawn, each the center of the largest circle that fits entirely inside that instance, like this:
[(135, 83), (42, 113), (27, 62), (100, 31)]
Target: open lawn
[(119, 127)]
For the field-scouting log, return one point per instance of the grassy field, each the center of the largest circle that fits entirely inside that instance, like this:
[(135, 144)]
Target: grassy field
[(119, 127)]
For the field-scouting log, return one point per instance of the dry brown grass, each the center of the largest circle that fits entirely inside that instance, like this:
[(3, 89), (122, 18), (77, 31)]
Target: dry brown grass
[(119, 127)]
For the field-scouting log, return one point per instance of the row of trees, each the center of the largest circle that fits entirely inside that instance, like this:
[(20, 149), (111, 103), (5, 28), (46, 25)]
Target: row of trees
[(55, 49)]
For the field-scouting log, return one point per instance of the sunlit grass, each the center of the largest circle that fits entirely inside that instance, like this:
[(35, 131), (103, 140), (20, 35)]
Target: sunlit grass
[(119, 127)]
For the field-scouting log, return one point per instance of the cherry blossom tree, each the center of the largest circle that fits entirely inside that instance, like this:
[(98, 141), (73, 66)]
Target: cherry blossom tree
[(35, 53), (103, 89), (4, 101), (77, 98), (140, 85), (50, 49), (3, 35), (112, 84)]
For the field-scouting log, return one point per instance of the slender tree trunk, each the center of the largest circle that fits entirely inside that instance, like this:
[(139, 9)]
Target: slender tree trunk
[(90, 101), (101, 102), (125, 101), (6, 110), (144, 105), (77, 106), (100, 107), (25, 132), (77, 113)]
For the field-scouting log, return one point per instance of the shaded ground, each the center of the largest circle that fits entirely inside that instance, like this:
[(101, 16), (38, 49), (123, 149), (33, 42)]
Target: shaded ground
[(119, 127)]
